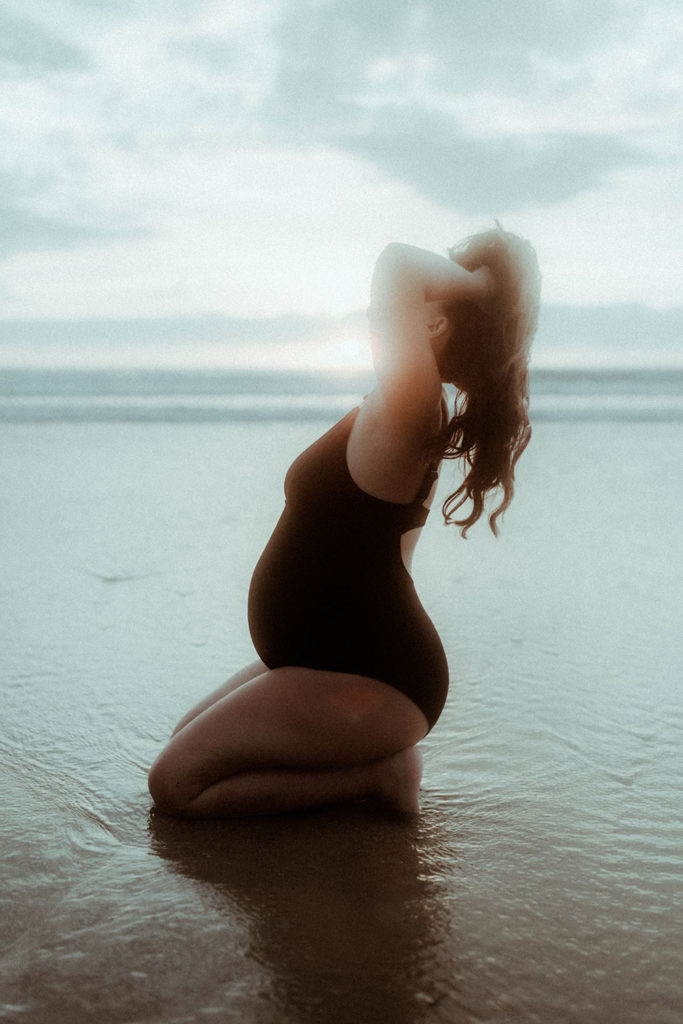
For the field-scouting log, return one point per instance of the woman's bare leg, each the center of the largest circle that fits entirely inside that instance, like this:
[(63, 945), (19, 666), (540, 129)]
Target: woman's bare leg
[(255, 668), (290, 739), (393, 781)]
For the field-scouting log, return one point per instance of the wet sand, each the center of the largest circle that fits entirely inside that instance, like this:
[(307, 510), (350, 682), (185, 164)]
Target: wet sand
[(542, 880)]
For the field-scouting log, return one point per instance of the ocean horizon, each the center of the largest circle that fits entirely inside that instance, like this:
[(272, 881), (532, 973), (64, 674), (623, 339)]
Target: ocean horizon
[(170, 393)]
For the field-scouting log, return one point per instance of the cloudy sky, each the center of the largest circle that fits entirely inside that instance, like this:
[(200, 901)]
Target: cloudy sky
[(187, 161)]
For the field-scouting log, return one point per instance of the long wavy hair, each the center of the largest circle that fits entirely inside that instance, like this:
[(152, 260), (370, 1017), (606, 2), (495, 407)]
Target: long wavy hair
[(486, 358)]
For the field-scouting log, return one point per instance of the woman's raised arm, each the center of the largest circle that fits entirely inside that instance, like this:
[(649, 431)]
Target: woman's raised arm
[(406, 318), (405, 271)]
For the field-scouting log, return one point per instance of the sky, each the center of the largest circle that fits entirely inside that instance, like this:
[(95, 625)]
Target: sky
[(233, 168)]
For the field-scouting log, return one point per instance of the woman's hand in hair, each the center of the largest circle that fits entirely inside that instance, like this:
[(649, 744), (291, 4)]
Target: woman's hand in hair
[(485, 291)]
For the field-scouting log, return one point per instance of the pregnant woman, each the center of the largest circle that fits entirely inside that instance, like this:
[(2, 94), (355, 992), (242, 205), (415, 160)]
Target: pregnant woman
[(351, 672)]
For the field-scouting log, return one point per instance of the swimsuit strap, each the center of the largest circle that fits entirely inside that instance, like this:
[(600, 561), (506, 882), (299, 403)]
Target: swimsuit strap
[(428, 482), (431, 475)]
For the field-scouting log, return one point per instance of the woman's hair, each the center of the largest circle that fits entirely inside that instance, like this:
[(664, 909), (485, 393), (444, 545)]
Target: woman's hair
[(487, 360)]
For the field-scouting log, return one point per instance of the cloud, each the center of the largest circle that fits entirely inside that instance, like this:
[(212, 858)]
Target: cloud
[(620, 335), (184, 341), (488, 175), (27, 48), (418, 89), (30, 224), (219, 330), (44, 210), (22, 230), (340, 45), (179, 147)]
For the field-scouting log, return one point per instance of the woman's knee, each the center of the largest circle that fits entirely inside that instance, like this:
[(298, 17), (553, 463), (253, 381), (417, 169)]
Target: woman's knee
[(168, 787), (287, 718)]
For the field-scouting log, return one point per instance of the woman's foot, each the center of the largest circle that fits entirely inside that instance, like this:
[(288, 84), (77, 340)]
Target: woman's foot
[(397, 782)]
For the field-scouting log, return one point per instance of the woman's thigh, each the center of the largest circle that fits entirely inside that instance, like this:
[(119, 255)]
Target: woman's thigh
[(290, 718), (250, 671)]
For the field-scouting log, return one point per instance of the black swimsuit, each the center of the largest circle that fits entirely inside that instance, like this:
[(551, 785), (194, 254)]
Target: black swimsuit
[(331, 591)]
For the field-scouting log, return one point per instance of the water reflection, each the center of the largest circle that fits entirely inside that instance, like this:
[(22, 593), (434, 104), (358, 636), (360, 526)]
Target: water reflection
[(342, 914)]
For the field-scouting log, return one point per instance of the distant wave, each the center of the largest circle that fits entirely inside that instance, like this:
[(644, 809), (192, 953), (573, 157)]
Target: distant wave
[(196, 395)]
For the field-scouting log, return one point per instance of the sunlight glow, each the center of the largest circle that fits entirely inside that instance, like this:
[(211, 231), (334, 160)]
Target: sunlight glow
[(346, 353)]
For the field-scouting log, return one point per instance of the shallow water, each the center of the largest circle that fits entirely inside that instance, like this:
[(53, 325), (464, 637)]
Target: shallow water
[(542, 881)]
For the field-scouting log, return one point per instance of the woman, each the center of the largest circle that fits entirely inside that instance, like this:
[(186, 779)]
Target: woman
[(353, 674)]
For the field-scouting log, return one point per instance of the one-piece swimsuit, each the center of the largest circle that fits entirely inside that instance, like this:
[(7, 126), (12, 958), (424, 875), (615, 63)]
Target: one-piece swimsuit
[(331, 591)]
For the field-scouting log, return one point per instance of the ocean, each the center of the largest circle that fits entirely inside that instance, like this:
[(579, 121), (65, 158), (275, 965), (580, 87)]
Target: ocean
[(165, 394), (541, 881)]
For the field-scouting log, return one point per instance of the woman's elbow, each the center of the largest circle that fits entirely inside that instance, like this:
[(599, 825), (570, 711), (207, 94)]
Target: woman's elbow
[(395, 273), (394, 256)]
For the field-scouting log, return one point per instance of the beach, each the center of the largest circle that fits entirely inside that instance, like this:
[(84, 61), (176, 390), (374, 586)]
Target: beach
[(541, 881)]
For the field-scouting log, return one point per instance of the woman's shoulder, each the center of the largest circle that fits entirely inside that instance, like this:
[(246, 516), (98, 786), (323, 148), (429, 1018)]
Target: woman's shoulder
[(389, 450), (405, 420)]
